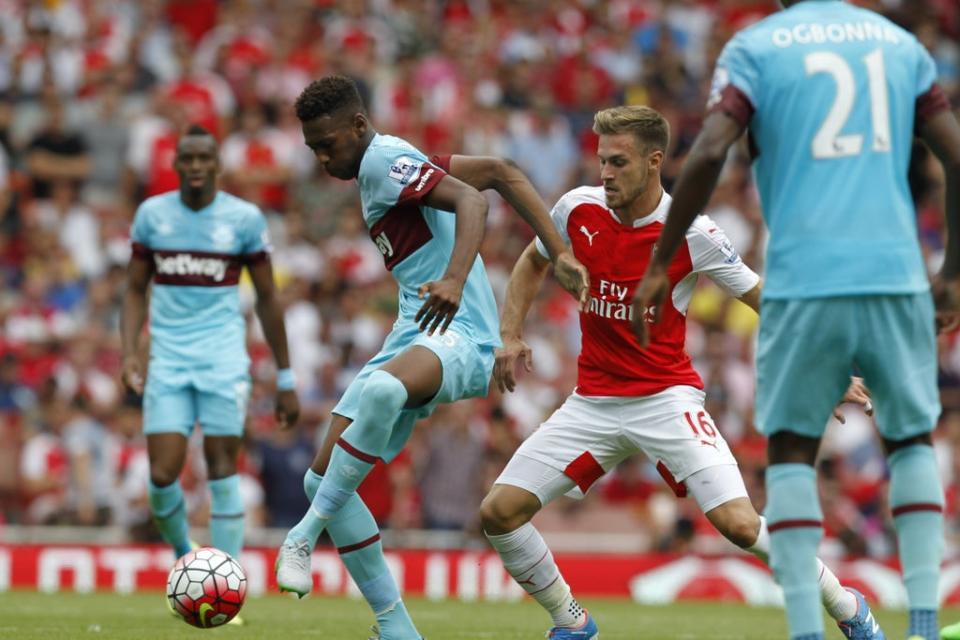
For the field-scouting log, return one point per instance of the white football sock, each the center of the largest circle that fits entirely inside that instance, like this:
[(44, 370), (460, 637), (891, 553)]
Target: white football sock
[(839, 603), (526, 557)]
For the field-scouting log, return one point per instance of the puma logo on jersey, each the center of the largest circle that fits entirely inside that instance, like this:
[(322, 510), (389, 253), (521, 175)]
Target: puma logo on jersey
[(587, 233), (383, 244)]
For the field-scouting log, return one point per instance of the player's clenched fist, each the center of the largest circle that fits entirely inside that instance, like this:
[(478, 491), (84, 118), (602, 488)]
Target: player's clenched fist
[(946, 299), (506, 362), (288, 409), (573, 277), (443, 301), (133, 374)]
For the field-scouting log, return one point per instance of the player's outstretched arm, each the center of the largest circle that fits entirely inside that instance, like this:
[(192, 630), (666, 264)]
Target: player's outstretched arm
[(443, 295), (525, 281), (134, 314), (694, 186), (505, 177), (270, 314), (942, 134)]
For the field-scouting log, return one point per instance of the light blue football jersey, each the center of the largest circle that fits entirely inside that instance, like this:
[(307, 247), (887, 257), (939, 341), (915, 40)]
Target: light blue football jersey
[(197, 258), (416, 240), (834, 90)]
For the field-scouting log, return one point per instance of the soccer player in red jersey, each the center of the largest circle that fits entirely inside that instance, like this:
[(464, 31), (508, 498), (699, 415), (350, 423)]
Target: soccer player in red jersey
[(628, 399)]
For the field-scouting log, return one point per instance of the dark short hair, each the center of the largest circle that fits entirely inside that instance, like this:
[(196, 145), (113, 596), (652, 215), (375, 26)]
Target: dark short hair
[(328, 96), (197, 130)]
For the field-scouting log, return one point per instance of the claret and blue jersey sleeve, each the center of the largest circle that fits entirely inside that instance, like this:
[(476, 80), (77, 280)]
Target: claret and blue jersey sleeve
[(736, 86), (416, 240), (140, 234), (256, 241)]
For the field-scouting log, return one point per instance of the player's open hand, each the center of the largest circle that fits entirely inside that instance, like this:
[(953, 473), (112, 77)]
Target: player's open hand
[(288, 408), (443, 300), (505, 365), (573, 277), (857, 393), (647, 302), (946, 299), (133, 374)]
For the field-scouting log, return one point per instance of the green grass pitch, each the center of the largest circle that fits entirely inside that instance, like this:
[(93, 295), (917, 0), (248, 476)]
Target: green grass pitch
[(68, 616)]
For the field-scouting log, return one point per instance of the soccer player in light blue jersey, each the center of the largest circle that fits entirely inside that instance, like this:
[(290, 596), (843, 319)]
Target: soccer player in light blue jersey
[(193, 244), (832, 96), (428, 225)]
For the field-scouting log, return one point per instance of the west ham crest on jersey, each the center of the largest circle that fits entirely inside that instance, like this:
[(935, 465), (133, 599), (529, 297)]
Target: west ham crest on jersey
[(223, 237)]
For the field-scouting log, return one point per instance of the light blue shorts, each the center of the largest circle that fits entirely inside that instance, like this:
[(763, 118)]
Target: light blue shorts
[(467, 368), (808, 349), (175, 399)]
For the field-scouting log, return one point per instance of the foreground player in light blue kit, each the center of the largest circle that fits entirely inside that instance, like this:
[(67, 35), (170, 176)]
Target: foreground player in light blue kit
[(193, 244), (428, 225), (832, 96)]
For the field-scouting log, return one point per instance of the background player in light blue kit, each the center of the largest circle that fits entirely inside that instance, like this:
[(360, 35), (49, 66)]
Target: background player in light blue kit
[(428, 225), (832, 96), (193, 244)]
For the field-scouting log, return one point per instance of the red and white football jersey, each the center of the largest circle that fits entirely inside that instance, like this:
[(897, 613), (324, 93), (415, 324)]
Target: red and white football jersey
[(611, 362)]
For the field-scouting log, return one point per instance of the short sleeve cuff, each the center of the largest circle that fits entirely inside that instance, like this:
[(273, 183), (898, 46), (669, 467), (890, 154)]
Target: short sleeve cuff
[(443, 162), (140, 251), (930, 104), (255, 257), (429, 176), (734, 103), (541, 249)]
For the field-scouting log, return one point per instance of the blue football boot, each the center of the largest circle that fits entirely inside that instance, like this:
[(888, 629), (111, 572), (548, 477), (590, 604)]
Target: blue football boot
[(588, 631), (862, 626)]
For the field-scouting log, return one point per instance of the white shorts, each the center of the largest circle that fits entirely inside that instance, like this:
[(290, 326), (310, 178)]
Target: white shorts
[(589, 435)]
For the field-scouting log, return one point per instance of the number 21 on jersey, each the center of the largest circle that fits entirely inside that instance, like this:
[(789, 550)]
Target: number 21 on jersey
[(828, 142)]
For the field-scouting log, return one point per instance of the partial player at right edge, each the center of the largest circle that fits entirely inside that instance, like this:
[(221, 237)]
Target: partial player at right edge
[(832, 96)]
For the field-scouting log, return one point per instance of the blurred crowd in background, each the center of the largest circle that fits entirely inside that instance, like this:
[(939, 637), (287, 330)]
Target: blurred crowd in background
[(93, 94)]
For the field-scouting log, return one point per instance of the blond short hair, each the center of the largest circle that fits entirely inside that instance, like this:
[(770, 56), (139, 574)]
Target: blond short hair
[(647, 124)]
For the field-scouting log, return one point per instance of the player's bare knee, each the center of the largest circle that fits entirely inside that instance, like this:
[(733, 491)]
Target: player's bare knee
[(162, 476), (221, 468), (498, 516), (741, 529), (506, 509), (221, 457)]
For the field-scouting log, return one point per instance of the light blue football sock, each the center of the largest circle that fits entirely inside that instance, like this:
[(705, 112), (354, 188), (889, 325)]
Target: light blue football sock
[(794, 520), (355, 453), (170, 513), (226, 515), (311, 481), (357, 537), (923, 623), (916, 499)]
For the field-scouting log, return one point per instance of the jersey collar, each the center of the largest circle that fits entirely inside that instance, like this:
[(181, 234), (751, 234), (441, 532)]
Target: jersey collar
[(659, 213)]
